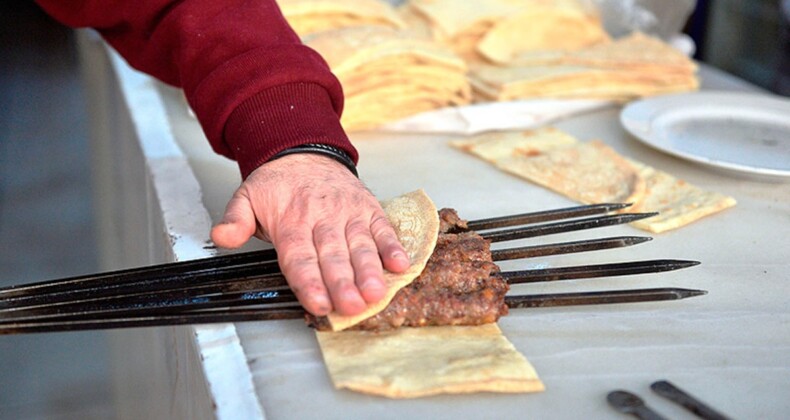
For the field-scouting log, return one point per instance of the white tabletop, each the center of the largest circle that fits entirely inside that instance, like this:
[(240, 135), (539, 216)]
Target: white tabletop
[(731, 348)]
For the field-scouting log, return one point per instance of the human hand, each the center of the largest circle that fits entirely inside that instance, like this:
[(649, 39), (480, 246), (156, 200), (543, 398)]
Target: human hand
[(330, 232)]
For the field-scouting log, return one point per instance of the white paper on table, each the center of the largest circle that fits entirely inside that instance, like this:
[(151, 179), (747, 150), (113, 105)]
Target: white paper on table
[(514, 115)]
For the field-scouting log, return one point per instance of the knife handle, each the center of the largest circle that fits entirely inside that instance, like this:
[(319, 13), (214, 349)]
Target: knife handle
[(675, 394)]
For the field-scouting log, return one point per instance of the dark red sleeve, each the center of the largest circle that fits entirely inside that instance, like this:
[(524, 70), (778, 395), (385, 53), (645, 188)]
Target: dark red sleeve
[(255, 88)]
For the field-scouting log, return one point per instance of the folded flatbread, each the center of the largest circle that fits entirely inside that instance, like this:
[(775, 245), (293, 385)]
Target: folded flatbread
[(416, 362), (416, 221)]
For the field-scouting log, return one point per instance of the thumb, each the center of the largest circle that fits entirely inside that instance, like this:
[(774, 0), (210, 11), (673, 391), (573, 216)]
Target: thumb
[(237, 225)]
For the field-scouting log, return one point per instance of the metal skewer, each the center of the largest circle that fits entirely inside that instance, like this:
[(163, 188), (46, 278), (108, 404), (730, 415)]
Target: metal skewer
[(294, 312), (567, 247), (545, 216), (562, 227), (133, 274), (213, 266), (593, 271), (249, 286), (226, 275), (273, 283)]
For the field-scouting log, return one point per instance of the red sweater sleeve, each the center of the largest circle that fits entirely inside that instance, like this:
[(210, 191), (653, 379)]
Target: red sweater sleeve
[(255, 88)]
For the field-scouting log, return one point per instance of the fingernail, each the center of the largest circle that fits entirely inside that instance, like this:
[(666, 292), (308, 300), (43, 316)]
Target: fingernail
[(399, 255)]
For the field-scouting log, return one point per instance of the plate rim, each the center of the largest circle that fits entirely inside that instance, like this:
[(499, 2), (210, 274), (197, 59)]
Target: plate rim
[(639, 129)]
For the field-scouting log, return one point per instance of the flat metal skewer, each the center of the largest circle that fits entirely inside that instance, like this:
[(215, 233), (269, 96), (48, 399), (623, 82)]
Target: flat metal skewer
[(169, 270), (562, 227), (160, 298), (133, 274), (594, 271), (104, 286), (567, 247), (135, 297), (545, 216), (226, 275), (293, 312), (602, 297)]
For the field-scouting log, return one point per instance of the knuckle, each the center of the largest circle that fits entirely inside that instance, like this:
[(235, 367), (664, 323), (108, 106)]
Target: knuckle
[(327, 236), (292, 240), (358, 228), (363, 252), (333, 256), (381, 227), (298, 260), (338, 276)]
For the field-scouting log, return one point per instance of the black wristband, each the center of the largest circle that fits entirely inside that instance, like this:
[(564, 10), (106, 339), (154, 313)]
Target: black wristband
[(321, 149)]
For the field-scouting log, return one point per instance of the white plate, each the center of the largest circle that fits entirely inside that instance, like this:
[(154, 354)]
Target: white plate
[(744, 133)]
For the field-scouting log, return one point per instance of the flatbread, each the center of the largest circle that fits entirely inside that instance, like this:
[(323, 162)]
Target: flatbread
[(575, 81), (678, 202), (388, 74), (594, 173), (589, 172), (630, 67), (350, 48), (539, 29), (451, 18), (416, 221), (496, 145), (418, 362), (309, 16)]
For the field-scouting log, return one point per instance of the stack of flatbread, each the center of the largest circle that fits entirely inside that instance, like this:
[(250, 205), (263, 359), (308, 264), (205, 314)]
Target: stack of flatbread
[(309, 16), (497, 30), (387, 74), (628, 68), (417, 362), (592, 172)]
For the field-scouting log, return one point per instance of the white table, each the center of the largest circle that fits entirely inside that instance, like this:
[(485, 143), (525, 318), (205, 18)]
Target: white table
[(162, 187)]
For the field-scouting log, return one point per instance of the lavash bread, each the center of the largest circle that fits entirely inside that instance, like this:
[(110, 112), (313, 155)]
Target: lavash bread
[(416, 222), (594, 173), (418, 362)]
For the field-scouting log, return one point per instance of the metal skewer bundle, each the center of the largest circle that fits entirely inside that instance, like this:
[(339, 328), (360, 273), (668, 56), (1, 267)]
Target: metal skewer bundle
[(250, 287)]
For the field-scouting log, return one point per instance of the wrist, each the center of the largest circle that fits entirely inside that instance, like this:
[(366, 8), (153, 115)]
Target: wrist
[(337, 154)]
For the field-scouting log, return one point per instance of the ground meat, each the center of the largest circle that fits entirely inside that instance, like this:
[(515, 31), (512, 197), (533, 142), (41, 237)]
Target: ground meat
[(459, 286), (450, 222)]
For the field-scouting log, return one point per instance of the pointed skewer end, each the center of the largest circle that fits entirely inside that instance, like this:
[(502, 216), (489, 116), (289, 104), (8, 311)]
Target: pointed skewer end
[(687, 293)]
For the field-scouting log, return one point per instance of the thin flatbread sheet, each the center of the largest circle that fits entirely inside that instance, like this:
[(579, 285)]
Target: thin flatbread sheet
[(587, 172), (677, 202), (418, 362), (495, 145), (416, 221)]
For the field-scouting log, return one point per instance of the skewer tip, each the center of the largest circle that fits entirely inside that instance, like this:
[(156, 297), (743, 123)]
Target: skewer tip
[(688, 293), (636, 240), (686, 264), (632, 217), (617, 206)]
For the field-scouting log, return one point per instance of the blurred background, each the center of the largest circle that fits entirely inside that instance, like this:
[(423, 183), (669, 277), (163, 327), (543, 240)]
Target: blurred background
[(46, 199)]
